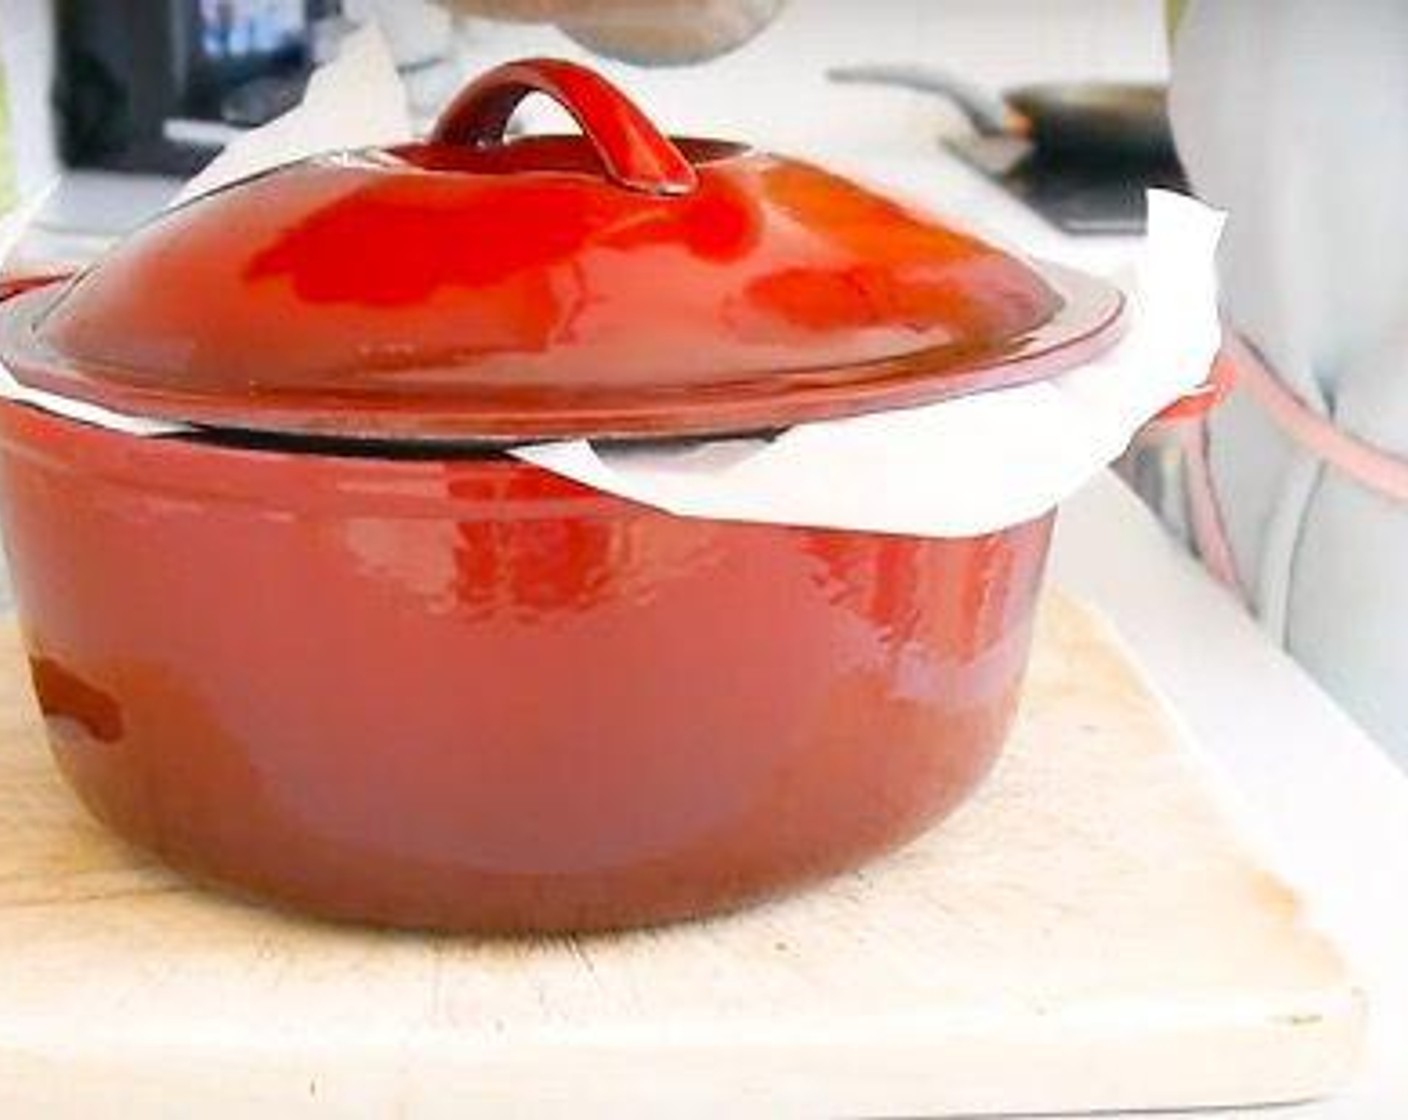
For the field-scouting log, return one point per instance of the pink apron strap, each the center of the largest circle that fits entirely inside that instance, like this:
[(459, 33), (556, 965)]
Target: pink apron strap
[(1372, 467)]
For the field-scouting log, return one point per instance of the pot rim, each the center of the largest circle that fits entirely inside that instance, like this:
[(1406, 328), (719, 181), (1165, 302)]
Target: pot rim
[(188, 467), (1091, 319)]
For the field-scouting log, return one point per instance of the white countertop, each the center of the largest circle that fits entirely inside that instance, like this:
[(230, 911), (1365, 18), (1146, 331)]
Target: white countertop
[(1328, 805)]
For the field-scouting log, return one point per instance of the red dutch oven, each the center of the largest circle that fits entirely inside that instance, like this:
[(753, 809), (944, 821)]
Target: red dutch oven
[(330, 645)]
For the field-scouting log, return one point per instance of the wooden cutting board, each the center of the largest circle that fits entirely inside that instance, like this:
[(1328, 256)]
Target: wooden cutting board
[(1088, 933)]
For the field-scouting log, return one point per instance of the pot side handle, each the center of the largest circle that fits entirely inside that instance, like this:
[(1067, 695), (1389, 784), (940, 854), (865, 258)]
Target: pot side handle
[(16, 284), (1202, 400), (633, 152)]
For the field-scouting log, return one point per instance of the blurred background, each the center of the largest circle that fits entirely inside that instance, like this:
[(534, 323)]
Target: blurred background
[(150, 90)]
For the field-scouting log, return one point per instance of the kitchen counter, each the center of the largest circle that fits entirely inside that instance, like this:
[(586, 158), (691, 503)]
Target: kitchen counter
[(1091, 918), (1328, 806)]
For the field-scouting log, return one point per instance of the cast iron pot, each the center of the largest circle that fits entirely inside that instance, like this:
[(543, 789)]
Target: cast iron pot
[(330, 645)]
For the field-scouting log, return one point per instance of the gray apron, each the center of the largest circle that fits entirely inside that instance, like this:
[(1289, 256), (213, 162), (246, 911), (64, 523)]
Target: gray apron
[(1293, 116)]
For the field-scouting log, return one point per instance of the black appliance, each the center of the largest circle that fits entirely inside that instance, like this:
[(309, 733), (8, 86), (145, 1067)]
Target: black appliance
[(159, 85)]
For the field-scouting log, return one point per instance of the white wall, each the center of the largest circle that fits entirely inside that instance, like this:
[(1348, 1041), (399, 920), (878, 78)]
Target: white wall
[(27, 48)]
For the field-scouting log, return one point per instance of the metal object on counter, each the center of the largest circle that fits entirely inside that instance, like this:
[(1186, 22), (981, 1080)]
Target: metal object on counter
[(334, 648), (1081, 154), (1096, 121)]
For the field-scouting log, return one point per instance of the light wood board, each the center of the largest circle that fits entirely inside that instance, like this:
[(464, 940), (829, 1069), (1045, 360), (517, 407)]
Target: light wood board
[(1088, 933)]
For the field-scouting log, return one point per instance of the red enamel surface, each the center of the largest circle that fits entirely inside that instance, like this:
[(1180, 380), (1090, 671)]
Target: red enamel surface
[(462, 692), (494, 302), (632, 151), (470, 694), (618, 283)]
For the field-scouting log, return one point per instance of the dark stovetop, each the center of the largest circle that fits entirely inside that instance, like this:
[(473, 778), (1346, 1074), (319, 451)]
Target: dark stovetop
[(1078, 197)]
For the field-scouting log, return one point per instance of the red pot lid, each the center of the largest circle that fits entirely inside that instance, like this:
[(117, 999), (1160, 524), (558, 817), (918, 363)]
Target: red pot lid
[(617, 284)]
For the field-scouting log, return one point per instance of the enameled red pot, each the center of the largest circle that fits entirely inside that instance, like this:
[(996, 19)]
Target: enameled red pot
[(470, 694), (329, 644)]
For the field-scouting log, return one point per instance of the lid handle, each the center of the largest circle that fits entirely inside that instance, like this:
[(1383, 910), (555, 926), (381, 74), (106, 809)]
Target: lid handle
[(633, 152)]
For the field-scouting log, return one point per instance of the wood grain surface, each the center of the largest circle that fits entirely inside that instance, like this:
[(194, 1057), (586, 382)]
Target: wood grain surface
[(1091, 932)]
